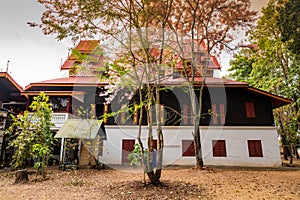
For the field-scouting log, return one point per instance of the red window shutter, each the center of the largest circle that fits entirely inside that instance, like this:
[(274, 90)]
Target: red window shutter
[(222, 113), (250, 109), (192, 116), (127, 148), (219, 148), (188, 148), (255, 148), (251, 148), (185, 114), (258, 148), (214, 113)]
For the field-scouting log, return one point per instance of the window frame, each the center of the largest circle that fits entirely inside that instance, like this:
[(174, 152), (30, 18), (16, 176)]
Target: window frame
[(188, 148), (250, 109), (255, 148), (219, 148)]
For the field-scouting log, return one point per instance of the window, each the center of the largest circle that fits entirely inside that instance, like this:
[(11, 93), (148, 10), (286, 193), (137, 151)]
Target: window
[(255, 148), (222, 113), (250, 110), (188, 148), (219, 148), (59, 104), (188, 115), (216, 115), (127, 148), (185, 114)]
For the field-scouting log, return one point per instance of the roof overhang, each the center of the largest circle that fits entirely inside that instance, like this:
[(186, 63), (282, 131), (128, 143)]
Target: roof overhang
[(10, 90), (85, 129), (72, 81), (54, 93), (10, 81), (276, 100)]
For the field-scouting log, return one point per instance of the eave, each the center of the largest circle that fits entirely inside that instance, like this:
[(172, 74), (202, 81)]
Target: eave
[(11, 80), (80, 81), (54, 93), (277, 101)]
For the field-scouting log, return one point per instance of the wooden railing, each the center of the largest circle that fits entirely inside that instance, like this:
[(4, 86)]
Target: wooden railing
[(58, 119)]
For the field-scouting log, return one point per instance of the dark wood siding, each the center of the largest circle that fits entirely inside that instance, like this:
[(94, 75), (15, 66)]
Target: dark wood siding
[(259, 108), (231, 107)]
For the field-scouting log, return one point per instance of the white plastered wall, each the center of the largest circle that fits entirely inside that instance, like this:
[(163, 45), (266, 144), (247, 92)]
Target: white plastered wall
[(235, 137)]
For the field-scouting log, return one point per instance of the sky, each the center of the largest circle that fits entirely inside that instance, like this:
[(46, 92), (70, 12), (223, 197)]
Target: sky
[(33, 56)]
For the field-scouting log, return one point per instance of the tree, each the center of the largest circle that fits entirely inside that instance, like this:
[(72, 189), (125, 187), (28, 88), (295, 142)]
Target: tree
[(32, 138), (272, 66), (210, 26), (150, 32), (288, 21)]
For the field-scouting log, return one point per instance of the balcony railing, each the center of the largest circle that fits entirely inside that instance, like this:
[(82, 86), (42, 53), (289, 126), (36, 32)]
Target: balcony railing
[(58, 119)]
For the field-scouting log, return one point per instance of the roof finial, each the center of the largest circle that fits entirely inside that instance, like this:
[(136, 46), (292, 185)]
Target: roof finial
[(7, 65)]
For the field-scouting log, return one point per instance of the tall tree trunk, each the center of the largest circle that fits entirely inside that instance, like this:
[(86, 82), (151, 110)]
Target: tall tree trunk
[(198, 149)]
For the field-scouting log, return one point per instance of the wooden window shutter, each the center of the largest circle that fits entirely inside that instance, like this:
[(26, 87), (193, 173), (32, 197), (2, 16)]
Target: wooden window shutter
[(250, 110), (255, 148), (214, 113), (192, 115), (188, 148), (185, 114), (219, 148), (222, 113)]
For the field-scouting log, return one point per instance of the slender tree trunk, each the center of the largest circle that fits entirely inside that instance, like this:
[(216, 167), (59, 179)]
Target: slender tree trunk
[(198, 149), (291, 154)]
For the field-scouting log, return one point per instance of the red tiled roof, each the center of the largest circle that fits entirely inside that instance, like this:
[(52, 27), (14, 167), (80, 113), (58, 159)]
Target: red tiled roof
[(219, 81), (208, 81), (187, 48), (87, 45), (84, 46), (67, 64), (69, 81)]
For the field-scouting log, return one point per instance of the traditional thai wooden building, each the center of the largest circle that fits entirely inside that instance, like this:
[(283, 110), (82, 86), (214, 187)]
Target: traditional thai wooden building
[(237, 128), (11, 102)]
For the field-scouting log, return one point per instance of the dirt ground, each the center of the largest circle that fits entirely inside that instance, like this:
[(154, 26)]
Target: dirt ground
[(176, 183)]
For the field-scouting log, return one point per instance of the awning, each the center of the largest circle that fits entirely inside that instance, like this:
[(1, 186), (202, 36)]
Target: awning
[(82, 129)]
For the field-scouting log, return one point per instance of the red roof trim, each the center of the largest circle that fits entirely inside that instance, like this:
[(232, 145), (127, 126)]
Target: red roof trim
[(69, 81), (53, 93), (277, 101), (84, 46)]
